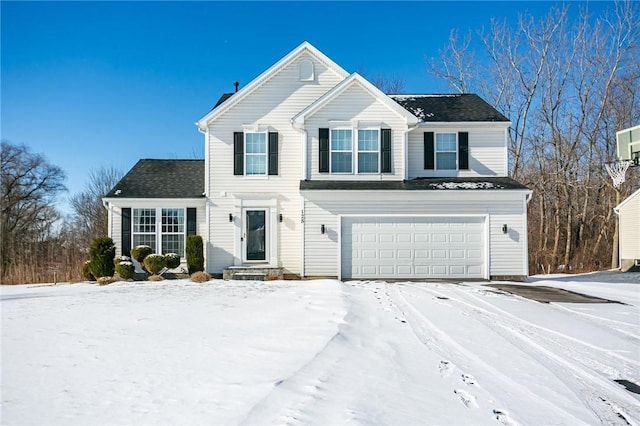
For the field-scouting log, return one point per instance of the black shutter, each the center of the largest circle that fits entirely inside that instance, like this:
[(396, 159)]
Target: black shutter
[(273, 153), (386, 151), (125, 229), (323, 166), (191, 221), (428, 151), (463, 150), (238, 153)]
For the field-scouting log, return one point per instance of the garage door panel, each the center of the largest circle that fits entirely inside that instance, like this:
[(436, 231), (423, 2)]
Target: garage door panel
[(418, 247)]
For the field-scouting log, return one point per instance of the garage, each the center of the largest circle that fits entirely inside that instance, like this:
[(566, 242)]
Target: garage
[(394, 247)]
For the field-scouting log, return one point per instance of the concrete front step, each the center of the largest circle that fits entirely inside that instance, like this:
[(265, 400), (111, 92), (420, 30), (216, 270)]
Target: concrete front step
[(252, 273)]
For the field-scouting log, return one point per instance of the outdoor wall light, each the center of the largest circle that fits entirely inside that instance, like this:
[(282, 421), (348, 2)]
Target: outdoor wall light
[(322, 229), (230, 217), (504, 228), (280, 217)]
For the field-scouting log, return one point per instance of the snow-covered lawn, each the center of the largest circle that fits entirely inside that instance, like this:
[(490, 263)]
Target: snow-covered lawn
[(318, 352)]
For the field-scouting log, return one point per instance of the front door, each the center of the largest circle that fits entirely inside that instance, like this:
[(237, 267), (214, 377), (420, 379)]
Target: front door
[(255, 235)]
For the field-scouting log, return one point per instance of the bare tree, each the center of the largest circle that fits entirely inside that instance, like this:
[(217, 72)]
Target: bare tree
[(30, 185), (391, 84), (567, 85), (89, 215)]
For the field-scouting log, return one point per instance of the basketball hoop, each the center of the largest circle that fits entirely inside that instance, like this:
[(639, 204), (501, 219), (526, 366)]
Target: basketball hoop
[(617, 171)]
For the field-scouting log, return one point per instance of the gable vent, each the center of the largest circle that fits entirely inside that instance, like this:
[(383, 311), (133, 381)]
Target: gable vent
[(305, 70)]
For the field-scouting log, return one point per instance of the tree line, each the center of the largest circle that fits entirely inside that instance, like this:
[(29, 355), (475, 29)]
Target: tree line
[(567, 85), (39, 243)]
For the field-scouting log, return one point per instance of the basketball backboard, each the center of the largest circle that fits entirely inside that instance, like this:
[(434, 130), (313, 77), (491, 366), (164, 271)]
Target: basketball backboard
[(628, 145)]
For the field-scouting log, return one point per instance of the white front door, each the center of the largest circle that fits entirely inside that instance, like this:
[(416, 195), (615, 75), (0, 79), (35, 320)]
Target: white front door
[(255, 235)]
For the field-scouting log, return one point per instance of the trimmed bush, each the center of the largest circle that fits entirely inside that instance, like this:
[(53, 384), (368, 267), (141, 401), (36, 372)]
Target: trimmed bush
[(195, 254), (125, 269), (102, 252), (173, 260), (200, 277), (140, 252), (154, 263), (119, 259), (86, 271)]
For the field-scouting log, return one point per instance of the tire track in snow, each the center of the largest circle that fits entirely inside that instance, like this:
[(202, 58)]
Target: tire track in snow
[(608, 401), (446, 347), (623, 328)]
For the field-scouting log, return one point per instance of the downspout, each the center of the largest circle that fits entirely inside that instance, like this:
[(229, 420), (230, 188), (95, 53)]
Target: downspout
[(207, 212)]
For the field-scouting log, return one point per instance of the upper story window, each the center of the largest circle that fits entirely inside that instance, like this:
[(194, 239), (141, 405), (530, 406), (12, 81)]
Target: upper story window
[(446, 151), (355, 151), (368, 151), (255, 153), (341, 151)]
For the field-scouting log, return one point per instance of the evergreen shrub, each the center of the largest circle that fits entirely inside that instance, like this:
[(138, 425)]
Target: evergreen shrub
[(102, 252), (173, 260), (140, 252), (154, 263), (125, 269), (195, 254)]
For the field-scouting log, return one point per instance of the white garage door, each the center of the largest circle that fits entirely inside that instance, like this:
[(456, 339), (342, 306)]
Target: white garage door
[(410, 247)]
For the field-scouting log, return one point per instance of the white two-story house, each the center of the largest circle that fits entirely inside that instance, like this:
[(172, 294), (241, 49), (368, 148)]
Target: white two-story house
[(316, 172)]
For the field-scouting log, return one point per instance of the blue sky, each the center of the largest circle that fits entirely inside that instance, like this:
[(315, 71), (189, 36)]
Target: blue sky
[(92, 84)]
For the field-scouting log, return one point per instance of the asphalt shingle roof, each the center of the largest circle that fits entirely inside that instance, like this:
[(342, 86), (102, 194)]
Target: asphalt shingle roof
[(223, 98), (162, 179), (449, 108), (418, 184)]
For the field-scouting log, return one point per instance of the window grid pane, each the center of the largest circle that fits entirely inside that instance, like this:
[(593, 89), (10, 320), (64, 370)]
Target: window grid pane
[(341, 162), (173, 243), (144, 220), (341, 140), (145, 240), (256, 143), (368, 162), (256, 164), (368, 140)]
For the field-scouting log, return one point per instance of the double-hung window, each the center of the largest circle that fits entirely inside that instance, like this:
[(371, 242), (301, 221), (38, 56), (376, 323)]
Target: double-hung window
[(341, 151), (368, 151), (144, 228), (173, 231), (255, 154), (446, 151)]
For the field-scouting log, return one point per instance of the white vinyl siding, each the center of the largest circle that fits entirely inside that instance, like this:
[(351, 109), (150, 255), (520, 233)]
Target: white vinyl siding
[(272, 104), (506, 253), (487, 151), (629, 216)]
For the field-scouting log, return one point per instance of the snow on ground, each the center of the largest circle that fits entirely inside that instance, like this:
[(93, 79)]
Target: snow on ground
[(318, 352)]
